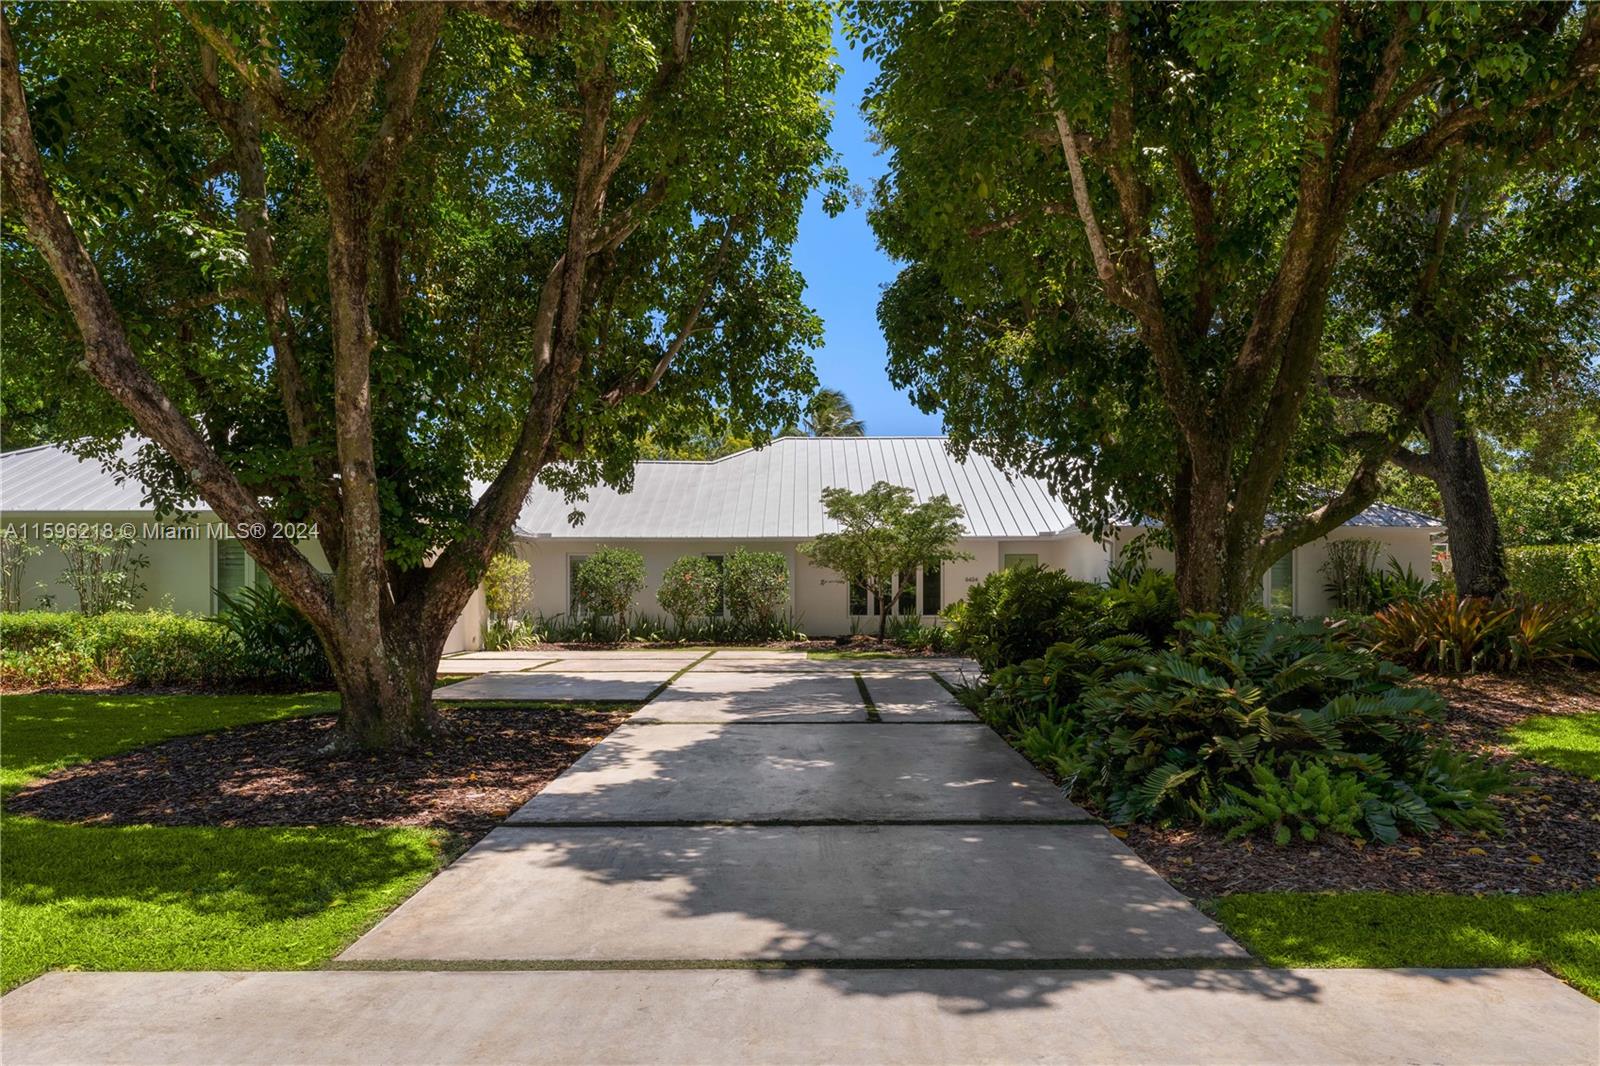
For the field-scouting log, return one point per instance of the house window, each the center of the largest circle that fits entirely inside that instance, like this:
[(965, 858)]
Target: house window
[(573, 562), (233, 570), (1012, 562), (906, 602), (1280, 585), (860, 600), (930, 589)]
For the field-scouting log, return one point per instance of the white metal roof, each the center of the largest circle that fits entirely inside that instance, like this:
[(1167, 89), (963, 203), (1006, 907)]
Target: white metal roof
[(49, 478), (774, 492)]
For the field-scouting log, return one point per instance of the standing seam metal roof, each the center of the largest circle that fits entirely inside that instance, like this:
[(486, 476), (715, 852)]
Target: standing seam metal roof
[(770, 493)]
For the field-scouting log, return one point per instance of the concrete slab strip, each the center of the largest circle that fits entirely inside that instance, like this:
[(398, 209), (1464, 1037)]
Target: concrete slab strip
[(489, 666), (711, 773), (732, 1018), (768, 696), (915, 698), (904, 892), (553, 685)]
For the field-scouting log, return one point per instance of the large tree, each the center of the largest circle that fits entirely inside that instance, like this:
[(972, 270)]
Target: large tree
[(339, 261), (1121, 224), (1484, 277)]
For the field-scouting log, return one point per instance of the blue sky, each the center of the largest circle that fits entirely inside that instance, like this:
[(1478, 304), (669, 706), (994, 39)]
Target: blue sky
[(845, 272)]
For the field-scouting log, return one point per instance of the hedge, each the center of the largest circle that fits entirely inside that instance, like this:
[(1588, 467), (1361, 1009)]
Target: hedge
[(146, 648), (1566, 573)]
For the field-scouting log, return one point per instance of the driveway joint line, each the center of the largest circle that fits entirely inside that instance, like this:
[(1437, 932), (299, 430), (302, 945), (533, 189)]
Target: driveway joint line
[(770, 823), (659, 689)]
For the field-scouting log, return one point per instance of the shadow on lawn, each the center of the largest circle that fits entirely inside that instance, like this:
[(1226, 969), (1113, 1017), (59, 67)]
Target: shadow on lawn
[(266, 874)]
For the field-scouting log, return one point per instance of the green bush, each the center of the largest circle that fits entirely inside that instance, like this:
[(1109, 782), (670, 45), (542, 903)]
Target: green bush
[(1013, 615), (281, 645), (1451, 635), (1251, 724), (1164, 742), (608, 580), (146, 648), (506, 586), (1559, 573), (1305, 802), (691, 588), (757, 584)]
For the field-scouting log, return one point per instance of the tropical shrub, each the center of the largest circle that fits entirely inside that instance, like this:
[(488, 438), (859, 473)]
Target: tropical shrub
[(1014, 615), (1357, 584), (145, 648), (281, 645), (1305, 802), (506, 586), (14, 555), (1252, 724), (912, 633), (691, 588), (103, 571), (1451, 635), (1560, 573), (757, 585), (1348, 569), (608, 580), (1049, 687)]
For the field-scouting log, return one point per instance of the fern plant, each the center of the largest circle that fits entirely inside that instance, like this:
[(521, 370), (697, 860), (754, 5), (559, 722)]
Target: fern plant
[(1305, 801)]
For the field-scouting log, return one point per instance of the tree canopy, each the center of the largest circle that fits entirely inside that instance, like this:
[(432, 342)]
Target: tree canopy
[(348, 261), (1120, 225)]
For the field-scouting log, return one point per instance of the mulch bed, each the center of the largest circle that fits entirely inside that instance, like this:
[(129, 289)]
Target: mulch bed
[(483, 763), (1551, 843)]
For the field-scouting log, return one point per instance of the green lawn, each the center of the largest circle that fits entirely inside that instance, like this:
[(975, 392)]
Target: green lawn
[(1568, 741), (164, 898), (46, 732), (1558, 932)]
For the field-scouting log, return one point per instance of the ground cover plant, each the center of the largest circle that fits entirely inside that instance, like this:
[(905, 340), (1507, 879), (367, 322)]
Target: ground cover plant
[(1453, 635)]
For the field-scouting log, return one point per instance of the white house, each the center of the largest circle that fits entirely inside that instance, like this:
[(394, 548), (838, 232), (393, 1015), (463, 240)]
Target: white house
[(770, 499), (767, 499)]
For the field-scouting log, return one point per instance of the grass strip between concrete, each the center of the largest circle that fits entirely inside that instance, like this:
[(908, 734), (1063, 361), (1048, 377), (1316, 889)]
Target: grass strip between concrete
[(866, 698)]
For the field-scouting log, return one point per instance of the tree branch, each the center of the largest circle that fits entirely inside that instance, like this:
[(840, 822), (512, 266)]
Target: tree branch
[(1016, 218), (645, 384), (110, 359), (666, 79)]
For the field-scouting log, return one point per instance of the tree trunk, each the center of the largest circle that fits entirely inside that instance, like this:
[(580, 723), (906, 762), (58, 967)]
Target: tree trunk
[(386, 689), (1211, 566), (1477, 554)]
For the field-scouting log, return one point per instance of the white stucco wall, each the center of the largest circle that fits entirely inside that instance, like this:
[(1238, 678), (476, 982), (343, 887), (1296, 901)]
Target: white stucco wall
[(1409, 546), (182, 568)]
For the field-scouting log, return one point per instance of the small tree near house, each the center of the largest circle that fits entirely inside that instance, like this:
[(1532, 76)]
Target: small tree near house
[(884, 532), (608, 581), (757, 584), (506, 586), (691, 588)]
